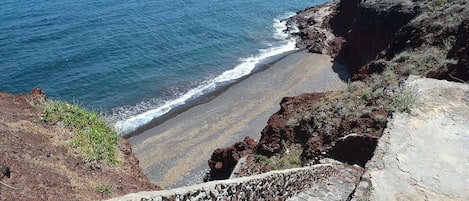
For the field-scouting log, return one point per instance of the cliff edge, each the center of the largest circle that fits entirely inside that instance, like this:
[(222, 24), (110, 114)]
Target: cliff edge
[(38, 161)]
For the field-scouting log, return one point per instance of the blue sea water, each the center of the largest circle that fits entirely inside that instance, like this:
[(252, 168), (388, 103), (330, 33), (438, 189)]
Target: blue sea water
[(136, 60)]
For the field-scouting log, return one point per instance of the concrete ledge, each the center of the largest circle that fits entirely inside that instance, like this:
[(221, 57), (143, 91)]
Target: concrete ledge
[(274, 185), (423, 155)]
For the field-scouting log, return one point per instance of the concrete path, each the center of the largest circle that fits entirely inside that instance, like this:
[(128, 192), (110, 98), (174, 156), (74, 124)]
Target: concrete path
[(423, 155)]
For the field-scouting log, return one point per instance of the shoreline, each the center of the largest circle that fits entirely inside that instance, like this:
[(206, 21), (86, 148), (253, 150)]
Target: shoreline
[(205, 98), (174, 153)]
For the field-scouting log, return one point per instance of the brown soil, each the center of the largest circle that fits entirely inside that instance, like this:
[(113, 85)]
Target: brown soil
[(37, 164)]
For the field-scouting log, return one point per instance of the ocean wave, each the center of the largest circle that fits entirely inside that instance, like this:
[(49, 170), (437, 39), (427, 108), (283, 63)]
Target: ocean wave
[(129, 119)]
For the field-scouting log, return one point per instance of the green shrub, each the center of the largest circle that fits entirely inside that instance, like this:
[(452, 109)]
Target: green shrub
[(437, 3), (366, 93), (364, 113), (403, 100), (380, 118), (94, 137), (104, 189), (290, 159), (292, 122)]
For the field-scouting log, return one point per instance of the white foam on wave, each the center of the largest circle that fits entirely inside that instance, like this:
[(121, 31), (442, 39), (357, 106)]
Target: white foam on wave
[(247, 65)]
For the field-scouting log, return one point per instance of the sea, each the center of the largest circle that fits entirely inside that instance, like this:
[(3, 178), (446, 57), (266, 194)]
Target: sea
[(134, 61)]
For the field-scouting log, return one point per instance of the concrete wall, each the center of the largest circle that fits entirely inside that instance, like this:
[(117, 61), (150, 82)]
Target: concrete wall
[(275, 185)]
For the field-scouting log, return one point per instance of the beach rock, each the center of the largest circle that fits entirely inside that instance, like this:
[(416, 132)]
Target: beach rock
[(224, 160), (313, 29), (282, 127)]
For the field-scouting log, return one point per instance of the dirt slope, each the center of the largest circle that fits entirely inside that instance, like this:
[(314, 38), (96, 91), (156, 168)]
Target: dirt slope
[(37, 164)]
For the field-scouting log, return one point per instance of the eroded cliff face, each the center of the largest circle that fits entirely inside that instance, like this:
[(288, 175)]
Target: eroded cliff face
[(381, 42), (282, 127), (364, 31)]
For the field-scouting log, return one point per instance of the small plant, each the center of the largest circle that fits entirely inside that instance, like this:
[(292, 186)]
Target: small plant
[(437, 3), (355, 85), (292, 122), (380, 118), (104, 189), (93, 136), (377, 93), (403, 100), (290, 159), (366, 93), (408, 69), (261, 158), (364, 113)]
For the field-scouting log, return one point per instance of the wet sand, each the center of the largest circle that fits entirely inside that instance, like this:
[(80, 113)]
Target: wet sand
[(175, 153)]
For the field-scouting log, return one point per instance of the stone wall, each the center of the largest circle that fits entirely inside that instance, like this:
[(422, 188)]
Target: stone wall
[(275, 185)]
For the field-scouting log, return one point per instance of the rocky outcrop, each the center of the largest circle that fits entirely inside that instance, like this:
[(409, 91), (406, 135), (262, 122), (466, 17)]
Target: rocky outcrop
[(282, 127), (224, 160), (460, 52), (372, 30), (423, 155), (313, 30), (357, 31), (331, 181)]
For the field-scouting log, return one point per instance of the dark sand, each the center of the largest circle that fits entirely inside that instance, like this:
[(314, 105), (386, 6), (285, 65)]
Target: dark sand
[(175, 153)]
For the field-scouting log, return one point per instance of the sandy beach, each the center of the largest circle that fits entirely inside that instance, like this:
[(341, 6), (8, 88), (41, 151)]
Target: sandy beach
[(175, 153)]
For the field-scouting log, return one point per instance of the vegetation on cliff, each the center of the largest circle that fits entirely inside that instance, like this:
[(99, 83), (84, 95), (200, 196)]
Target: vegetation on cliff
[(53, 150), (93, 136)]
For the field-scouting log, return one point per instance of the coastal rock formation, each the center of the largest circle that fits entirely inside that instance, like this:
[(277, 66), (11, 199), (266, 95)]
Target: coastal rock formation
[(361, 32), (373, 29), (423, 155), (313, 30), (356, 31), (224, 160), (282, 126), (36, 164)]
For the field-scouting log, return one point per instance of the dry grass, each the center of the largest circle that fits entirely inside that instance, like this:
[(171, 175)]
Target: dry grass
[(59, 136)]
